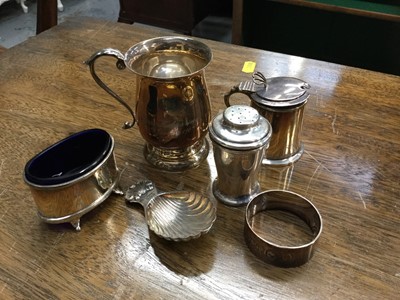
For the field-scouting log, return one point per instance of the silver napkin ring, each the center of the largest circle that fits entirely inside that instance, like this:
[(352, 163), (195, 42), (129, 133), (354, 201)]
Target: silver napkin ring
[(282, 256)]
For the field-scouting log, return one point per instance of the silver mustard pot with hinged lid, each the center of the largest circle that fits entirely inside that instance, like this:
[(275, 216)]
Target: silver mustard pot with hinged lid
[(281, 100)]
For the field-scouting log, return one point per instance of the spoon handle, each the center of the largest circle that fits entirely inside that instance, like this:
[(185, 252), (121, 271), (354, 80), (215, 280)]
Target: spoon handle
[(141, 192)]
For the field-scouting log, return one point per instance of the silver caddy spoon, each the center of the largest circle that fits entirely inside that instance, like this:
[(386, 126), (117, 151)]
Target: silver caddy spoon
[(176, 216)]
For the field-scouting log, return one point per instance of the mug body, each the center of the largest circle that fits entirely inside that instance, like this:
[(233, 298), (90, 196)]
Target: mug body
[(172, 102)]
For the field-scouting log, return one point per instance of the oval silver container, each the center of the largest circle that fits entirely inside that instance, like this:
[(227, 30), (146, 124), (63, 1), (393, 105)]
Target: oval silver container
[(65, 198)]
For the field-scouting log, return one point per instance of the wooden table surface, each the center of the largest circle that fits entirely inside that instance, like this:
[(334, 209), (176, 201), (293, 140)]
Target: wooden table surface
[(350, 172)]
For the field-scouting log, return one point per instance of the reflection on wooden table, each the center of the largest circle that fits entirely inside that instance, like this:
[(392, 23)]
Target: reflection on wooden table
[(349, 170)]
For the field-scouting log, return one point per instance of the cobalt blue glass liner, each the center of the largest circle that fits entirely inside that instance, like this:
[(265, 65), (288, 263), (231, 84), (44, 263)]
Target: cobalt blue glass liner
[(69, 158)]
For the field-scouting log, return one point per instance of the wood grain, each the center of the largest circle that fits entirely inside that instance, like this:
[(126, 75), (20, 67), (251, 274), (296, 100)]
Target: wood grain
[(349, 171)]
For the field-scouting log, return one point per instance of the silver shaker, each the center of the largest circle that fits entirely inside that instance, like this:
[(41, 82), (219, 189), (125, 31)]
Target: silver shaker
[(239, 136)]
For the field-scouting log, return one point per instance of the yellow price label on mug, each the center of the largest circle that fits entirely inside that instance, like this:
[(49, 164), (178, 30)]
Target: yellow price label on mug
[(248, 67)]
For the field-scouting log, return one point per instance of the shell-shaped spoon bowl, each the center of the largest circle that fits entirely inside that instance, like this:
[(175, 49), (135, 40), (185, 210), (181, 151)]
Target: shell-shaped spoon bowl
[(177, 216)]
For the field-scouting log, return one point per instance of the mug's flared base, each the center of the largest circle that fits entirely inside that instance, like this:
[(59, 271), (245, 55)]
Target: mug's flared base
[(177, 159)]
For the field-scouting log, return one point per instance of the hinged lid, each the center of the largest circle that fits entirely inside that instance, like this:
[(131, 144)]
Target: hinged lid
[(279, 91), (240, 127)]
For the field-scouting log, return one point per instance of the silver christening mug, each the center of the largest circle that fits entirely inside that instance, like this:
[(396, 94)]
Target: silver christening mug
[(281, 100), (240, 136), (172, 106)]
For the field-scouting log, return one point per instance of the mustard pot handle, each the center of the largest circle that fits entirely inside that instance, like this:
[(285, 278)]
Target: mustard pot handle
[(247, 87)]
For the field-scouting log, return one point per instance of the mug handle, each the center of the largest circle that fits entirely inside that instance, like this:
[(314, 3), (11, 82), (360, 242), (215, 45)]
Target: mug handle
[(121, 66)]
